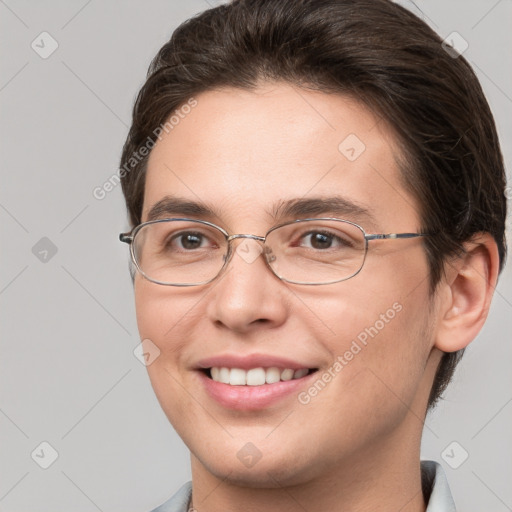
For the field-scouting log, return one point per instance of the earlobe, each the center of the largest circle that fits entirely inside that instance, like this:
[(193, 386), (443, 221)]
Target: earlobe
[(466, 293)]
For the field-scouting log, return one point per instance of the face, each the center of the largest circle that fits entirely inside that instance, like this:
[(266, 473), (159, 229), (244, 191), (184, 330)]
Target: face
[(366, 342)]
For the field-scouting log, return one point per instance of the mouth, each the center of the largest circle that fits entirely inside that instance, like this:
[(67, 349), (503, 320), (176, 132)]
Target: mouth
[(258, 376), (253, 382), (254, 389)]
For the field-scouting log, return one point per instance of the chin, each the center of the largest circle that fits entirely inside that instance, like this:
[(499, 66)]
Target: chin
[(270, 471)]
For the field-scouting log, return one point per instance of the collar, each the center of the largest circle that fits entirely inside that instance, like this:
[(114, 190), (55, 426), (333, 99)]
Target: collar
[(435, 488)]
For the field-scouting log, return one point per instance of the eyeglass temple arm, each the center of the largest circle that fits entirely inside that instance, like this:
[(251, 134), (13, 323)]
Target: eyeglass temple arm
[(126, 238), (386, 236)]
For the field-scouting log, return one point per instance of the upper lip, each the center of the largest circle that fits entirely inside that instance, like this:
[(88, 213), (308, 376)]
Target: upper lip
[(249, 361)]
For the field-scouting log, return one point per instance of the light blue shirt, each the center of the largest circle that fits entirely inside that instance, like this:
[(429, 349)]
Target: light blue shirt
[(433, 480)]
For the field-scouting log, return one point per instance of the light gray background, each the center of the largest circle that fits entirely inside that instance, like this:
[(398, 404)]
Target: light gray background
[(68, 375)]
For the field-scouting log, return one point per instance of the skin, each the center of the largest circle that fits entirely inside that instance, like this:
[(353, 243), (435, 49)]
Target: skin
[(356, 445)]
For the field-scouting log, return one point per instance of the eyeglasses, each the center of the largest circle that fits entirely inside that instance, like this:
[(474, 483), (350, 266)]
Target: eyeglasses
[(189, 252)]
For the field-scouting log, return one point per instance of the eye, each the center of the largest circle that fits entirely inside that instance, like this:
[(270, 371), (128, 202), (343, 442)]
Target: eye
[(189, 241), (323, 240)]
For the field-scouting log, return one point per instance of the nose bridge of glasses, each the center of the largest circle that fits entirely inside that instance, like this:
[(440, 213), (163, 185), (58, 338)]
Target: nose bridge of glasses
[(252, 237), (244, 250), (249, 252)]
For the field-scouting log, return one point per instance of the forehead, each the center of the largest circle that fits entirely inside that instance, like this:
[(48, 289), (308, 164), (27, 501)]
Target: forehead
[(243, 152)]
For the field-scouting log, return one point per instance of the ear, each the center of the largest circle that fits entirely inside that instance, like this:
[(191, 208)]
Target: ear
[(466, 292)]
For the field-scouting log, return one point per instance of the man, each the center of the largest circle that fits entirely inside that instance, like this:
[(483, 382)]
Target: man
[(316, 192)]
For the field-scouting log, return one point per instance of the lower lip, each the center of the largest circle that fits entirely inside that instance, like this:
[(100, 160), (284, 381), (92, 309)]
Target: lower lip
[(246, 398)]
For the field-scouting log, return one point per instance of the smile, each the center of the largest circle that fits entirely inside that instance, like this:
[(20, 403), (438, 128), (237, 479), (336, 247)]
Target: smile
[(255, 376)]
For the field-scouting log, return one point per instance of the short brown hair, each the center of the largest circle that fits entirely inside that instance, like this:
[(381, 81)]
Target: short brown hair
[(374, 50)]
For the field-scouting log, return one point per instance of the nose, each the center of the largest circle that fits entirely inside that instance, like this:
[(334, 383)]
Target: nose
[(247, 295)]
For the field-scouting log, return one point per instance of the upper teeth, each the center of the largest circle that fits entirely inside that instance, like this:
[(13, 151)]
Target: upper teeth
[(254, 376)]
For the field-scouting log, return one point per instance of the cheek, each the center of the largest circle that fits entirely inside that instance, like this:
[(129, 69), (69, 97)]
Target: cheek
[(377, 369), (162, 314), (169, 319), (381, 338), (153, 313), (380, 335), (158, 320)]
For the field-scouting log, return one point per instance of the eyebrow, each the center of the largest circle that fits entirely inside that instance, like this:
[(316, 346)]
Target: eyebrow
[(177, 206), (336, 206)]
